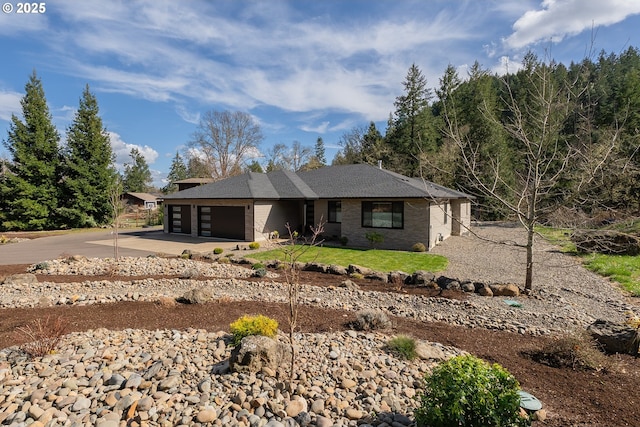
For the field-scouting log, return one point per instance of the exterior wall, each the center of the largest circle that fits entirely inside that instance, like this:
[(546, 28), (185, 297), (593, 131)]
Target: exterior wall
[(416, 225), (440, 222), (321, 213), (274, 215), (461, 211), (194, 203)]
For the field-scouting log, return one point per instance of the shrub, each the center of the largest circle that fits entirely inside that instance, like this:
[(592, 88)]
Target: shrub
[(224, 260), (253, 325), (576, 350), (356, 276), (254, 245), (40, 266), (257, 266), (404, 346), (259, 272), (467, 391), (218, 251), (374, 238), (43, 336), (344, 240), (418, 247), (368, 320)]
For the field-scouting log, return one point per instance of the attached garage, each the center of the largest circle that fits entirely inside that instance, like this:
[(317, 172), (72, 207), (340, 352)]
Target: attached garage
[(225, 222), (180, 219)]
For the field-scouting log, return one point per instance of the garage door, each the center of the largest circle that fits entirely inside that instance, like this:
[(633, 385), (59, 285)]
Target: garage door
[(226, 222)]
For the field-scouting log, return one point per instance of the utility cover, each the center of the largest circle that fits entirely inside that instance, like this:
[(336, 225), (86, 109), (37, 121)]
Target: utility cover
[(529, 402)]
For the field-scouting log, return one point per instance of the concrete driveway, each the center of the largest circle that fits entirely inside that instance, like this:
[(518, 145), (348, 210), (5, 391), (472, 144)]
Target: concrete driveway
[(99, 244)]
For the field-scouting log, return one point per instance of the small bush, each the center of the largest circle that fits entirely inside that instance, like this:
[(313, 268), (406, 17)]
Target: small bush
[(218, 251), (40, 266), (368, 320), (374, 238), (418, 247), (43, 336), (467, 391), (259, 272), (577, 351), (404, 346), (254, 245), (344, 240), (257, 266), (253, 325), (224, 260), (356, 276)]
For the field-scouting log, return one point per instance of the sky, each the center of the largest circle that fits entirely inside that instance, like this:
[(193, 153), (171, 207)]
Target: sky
[(302, 69)]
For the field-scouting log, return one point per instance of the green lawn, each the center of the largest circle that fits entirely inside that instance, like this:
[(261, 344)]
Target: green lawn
[(376, 259), (623, 269)]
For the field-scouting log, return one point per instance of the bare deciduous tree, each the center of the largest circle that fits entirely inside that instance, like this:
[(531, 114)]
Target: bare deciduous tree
[(552, 167), (225, 140)]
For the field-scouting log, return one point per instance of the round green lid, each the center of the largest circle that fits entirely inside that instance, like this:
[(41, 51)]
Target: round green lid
[(529, 402)]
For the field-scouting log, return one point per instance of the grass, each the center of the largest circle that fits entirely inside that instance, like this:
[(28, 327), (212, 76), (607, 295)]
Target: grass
[(376, 259), (623, 269)]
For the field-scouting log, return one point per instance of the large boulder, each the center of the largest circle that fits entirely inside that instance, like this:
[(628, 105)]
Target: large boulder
[(615, 337), (197, 296), (257, 352), (423, 278), (606, 242), (504, 290), (21, 279)]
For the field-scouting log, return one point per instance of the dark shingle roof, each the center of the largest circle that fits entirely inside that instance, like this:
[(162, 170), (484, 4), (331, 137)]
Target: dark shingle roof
[(339, 182)]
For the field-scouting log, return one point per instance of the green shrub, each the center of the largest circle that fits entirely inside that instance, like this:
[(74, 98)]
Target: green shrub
[(253, 325), (259, 272), (467, 391), (356, 276), (374, 238), (224, 260), (257, 266), (254, 245), (404, 346), (218, 251), (418, 247)]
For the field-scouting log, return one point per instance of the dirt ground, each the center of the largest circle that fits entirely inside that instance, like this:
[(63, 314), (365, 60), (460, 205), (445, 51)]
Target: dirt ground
[(572, 398)]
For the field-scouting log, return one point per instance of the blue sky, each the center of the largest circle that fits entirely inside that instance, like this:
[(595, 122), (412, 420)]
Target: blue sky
[(302, 69)]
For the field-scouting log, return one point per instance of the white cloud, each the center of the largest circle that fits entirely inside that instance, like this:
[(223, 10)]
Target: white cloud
[(122, 150), (321, 128), (188, 116), (557, 19), (10, 104)]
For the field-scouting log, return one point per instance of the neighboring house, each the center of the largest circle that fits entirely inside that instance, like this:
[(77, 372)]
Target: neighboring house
[(185, 184), (352, 200), (142, 200)]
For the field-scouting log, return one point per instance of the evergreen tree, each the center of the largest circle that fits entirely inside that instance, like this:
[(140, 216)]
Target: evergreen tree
[(177, 172), (137, 176), (197, 168), (88, 168), (255, 166), (30, 187), (319, 152), (413, 130)]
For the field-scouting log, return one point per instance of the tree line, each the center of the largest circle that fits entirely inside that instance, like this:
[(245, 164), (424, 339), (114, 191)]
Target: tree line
[(48, 185), (480, 134)]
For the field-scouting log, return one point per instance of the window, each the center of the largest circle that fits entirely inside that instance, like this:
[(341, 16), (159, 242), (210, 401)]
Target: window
[(383, 214), (335, 211)]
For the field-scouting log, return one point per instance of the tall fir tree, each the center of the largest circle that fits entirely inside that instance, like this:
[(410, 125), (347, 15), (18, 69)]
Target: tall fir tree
[(30, 187), (319, 152), (177, 172), (413, 131), (88, 168), (137, 176)]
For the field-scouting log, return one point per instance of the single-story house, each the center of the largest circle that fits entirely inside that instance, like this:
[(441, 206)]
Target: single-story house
[(350, 200), (142, 200)]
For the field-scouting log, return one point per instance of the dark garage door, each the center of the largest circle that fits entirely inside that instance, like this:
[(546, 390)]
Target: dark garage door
[(227, 222)]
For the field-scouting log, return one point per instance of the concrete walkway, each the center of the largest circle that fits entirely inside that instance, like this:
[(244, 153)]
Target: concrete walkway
[(100, 244)]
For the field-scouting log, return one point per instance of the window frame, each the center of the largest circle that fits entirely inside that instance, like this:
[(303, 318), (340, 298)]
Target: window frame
[(367, 214), (335, 207)]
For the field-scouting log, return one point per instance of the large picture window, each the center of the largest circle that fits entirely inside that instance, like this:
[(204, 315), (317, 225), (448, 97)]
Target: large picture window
[(335, 211), (383, 214)]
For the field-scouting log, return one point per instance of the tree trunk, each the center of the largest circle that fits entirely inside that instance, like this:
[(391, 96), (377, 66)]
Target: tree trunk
[(528, 282)]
